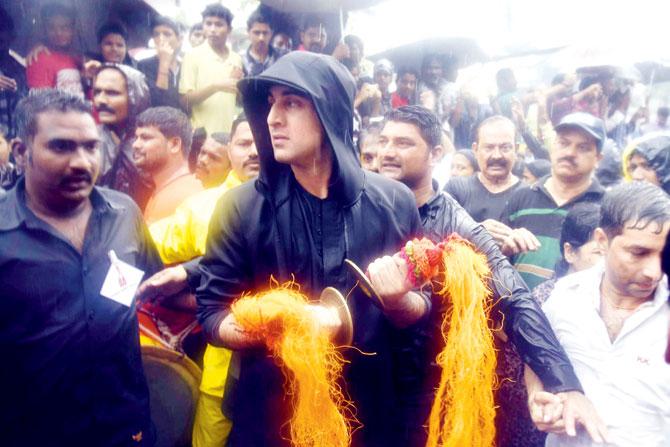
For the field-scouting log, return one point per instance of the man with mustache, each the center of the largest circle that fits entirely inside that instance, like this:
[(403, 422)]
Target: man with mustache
[(76, 375), (181, 239), (485, 194), (409, 148), (120, 94), (536, 212), (213, 165), (610, 319), (160, 150)]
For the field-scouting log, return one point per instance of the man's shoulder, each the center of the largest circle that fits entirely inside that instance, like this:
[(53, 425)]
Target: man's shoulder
[(567, 291), (387, 190), (457, 186), (148, 64), (118, 200)]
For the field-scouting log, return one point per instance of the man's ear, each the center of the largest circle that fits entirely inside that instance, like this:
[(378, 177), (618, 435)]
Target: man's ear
[(601, 238), (20, 152), (436, 155), (568, 253), (174, 145)]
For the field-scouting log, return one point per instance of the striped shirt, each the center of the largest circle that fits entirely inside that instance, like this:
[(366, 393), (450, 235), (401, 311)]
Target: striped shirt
[(533, 208)]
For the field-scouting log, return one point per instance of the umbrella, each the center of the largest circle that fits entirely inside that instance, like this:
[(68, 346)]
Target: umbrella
[(319, 6), (461, 50), (136, 15)]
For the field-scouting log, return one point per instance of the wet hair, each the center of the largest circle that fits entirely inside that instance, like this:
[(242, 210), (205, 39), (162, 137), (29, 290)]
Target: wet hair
[(258, 17), (42, 101), (351, 40), (194, 28), (633, 205), (578, 227), (168, 22), (50, 10), (427, 122), (170, 122), (218, 10), (108, 28), (493, 120), (239, 119), (402, 71), (221, 137), (470, 156), (312, 21)]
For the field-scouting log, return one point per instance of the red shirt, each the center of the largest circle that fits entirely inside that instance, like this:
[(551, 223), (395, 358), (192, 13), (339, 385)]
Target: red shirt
[(55, 70), (398, 101)]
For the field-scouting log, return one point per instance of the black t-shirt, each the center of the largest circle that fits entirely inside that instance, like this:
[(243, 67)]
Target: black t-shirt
[(478, 201)]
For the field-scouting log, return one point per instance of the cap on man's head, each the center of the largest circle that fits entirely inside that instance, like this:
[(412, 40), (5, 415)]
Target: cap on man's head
[(383, 66), (586, 122)]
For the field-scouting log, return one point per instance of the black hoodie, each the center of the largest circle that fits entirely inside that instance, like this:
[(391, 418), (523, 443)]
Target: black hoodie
[(273, 227)]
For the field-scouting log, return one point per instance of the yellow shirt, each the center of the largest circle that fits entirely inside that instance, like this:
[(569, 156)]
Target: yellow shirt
[(202, 67), (181, 237)]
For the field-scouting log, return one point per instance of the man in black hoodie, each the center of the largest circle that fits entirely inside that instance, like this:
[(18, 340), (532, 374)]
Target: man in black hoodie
[(311, 207)]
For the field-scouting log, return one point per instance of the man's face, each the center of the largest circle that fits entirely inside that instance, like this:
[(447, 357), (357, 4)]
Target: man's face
[(403, 153), (197, 37), (151, 149), (213, 163), (407, 85), (369, 151), (495, 151), (295, 128), (110, 97), (242, 152), (574, 155), (633, 259), (314, 39), (215, 29), (63, 158), (260, 35), (433, 72), (639, 169), (383, 80), (113, 48), (60, 32), (281, 42), (162, 33), (355, 52)]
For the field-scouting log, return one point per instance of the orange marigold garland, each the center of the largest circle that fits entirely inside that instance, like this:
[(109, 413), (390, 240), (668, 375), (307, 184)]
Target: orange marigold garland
[(322, 416), (463, 411)]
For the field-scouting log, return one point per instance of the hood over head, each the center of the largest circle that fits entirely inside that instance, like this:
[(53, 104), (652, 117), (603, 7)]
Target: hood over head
[(331, 89), (655, 148), (138, 91)]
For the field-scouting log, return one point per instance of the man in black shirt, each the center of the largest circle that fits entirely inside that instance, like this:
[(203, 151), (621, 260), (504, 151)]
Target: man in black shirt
[(409, 147), (484, 195), (162, 70), (71, 357)]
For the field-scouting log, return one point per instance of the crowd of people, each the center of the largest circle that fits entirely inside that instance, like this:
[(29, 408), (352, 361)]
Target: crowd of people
[(169, 187)]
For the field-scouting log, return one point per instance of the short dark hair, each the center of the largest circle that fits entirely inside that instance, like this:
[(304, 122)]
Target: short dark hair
[(258, 17), (194, 28), (402, 71), (239, 119), (112, 28), (493, 120), (170, 122), (166, 21), (50, 10), (42, 101), (578, 227), (663, 111), (633, 205), (218, 10), (427, 122), (312, 21), (350, 40)]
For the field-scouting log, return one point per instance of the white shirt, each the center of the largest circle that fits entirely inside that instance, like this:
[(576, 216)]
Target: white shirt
[(627, 380)]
